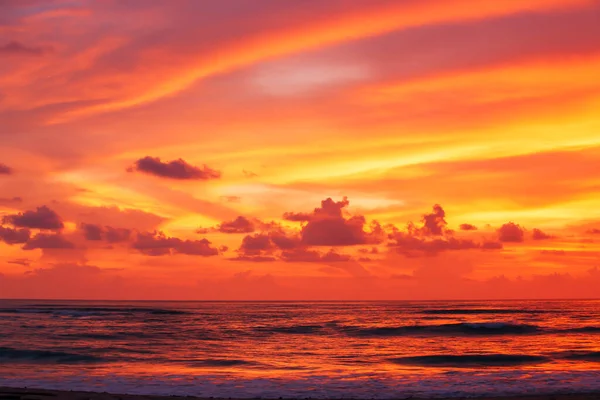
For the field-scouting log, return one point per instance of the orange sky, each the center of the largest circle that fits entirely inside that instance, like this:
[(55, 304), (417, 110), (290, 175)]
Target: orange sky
[(266, 149)]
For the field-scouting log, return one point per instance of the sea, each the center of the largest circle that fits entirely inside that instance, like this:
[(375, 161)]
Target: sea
[(333, 350)]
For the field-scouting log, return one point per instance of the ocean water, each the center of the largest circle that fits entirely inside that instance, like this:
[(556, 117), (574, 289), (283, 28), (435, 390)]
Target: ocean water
[(302, 349)]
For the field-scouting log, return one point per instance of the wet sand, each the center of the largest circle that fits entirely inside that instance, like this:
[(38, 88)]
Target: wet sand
[(7, 393)]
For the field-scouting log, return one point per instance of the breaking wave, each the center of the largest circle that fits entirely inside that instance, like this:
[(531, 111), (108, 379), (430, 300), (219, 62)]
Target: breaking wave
[(478, 360), (8, 355)]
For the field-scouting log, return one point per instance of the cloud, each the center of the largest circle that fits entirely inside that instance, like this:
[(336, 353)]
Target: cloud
[(48, 241), (249, 174), (412, 246), (111, 235), (158, 244), (5, 169), (263, 246), (177, 169), (467, 227), (11, 200), (243, 225), (434, 224), (372, 250), (537, 234), (238, 225), (418, 241), (305, 255), (492, 246), (594, 231), (297, 217), (329, 225), (254, 258), (17, 48), (14, 236), (511, 233), (25, 262), (91, 231), (256, 244), (42, 218), (109, 216)]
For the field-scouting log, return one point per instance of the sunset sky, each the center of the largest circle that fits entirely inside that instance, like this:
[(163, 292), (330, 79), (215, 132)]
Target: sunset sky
[(314, 149)]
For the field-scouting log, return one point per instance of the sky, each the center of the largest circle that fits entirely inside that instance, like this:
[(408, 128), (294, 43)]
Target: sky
[(287, 150)]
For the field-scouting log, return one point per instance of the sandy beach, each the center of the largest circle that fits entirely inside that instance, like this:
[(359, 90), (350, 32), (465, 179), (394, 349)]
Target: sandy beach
[(8, 393)]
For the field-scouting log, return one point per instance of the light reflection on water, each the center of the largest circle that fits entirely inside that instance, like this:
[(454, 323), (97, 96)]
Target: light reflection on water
[(246, 349)]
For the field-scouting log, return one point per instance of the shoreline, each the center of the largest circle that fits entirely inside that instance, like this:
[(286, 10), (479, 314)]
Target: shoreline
[(21, 393)]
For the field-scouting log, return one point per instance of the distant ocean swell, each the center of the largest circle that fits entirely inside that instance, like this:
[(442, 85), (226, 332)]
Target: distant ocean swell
[(90, 311), (462, 328), (21, 356), (331, 328), (8, 355)]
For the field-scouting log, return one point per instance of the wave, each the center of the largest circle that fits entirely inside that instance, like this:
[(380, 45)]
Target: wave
[(293, 329), (593, 356), (584, 329), (463, 328), (91, 311), (218, 363), (469, 311), (475, 360), (8, 354), (93, 336)]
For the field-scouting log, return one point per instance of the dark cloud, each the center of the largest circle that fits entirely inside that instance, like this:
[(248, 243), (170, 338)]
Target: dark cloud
[(467, 227), (283, 241), (177, 169), (238, 225), (330, 225), (256, 244), (263, 246), (5, 169), (17, 48), (417, 241), (91, 231), (14, 236), (48, 241), (511, 233), (492, 246), (297, 217), (242, 225), (11, 200), (434, 224), (249, 174), (305, 255), (158, 244), (254, 258), (116, 235), (372, 250), (42, 218), (107, 233), (337, 232), (25, 262), (594, 231), (413, 246), (537, 234)]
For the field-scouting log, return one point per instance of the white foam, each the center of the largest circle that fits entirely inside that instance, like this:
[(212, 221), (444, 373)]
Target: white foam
[(374, 386)]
